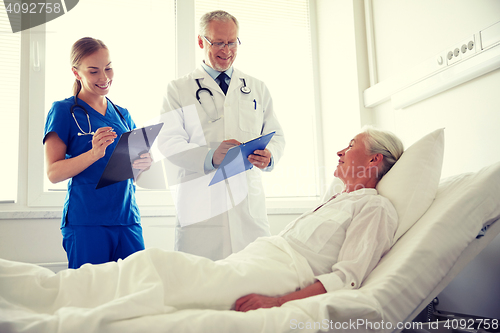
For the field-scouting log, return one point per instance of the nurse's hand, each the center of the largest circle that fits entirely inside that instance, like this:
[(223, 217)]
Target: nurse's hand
[(102, 138), (143, 162), (221, 151), (260, 158)]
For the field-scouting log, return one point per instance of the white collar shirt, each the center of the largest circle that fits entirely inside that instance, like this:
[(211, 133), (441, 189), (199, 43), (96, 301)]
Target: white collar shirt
[(344, 239)]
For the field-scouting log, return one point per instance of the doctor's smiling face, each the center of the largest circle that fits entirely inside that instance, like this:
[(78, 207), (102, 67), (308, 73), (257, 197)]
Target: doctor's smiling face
[(95, 73), (220, 31)]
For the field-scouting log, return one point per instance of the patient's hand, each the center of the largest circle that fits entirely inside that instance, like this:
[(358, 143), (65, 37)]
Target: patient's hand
[(254, 302)]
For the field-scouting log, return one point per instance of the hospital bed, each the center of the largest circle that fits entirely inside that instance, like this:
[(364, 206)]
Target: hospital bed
[(444, 223)]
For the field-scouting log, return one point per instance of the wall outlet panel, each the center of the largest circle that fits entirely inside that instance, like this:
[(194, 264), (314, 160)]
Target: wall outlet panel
[(466, 49), (490, 36)]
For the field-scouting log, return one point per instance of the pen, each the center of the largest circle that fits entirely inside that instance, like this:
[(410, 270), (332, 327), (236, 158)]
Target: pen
[(254, 104)]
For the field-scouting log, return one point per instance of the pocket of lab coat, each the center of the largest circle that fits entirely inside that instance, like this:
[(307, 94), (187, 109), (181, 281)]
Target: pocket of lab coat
[(251, 117), (316, 229)]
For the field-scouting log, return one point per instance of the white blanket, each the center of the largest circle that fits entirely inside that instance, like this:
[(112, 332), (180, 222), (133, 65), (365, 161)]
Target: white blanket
[(97, 298)]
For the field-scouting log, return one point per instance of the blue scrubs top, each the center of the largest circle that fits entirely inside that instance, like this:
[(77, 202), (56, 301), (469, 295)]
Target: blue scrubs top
[(84, 205)]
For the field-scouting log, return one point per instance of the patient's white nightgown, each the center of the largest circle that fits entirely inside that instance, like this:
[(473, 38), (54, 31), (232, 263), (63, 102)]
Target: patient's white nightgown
[(345, 238)]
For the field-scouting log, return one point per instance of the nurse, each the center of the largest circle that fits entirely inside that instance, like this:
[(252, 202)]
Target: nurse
[(97, 225), (205, 113)]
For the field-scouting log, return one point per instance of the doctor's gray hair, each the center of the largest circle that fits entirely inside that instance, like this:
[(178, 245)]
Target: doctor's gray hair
[(216, 15), (81, 48), (383, 142)]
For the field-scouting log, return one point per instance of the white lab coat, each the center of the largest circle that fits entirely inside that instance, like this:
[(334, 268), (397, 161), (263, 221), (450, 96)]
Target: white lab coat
[(215, 221)]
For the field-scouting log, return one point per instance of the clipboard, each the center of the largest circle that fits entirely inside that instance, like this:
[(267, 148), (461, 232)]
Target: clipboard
[(236, 159), (130, 146)]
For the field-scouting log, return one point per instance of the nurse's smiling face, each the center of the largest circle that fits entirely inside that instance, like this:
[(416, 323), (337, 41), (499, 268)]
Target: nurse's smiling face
[(95, 73), (220, 31)]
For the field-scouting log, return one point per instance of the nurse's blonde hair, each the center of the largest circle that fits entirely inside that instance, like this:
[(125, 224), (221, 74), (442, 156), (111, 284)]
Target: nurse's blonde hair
[(383, 142), (216, 15), (81, 48)]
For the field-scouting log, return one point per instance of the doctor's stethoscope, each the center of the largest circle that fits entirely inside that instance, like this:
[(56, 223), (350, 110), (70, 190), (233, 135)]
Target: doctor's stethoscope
[(90, 132), (244, 89)]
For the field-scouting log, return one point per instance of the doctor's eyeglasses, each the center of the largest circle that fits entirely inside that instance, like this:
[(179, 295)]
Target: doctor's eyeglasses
[(221, 45)]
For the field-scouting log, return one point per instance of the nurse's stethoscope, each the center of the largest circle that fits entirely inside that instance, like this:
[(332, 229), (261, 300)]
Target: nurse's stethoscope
[(244, 89), (90, 132)]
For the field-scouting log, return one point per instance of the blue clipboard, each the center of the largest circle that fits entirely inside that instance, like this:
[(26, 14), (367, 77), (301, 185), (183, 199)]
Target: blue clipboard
[(130, 146), (236, 159)]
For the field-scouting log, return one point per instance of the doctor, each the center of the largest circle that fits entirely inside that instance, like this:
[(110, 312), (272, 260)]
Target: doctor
[(205, 113)]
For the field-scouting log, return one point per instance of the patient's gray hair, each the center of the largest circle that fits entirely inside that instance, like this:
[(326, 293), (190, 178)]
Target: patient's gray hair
[(383, 142), (216, 15)]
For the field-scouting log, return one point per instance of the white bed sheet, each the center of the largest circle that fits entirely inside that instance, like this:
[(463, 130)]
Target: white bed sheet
[(414, 269)]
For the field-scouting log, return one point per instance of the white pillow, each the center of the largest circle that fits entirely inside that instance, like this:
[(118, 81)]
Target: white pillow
[(412, 182)]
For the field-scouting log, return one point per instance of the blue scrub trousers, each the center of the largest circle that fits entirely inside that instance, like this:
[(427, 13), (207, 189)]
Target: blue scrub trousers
[(100, 244)]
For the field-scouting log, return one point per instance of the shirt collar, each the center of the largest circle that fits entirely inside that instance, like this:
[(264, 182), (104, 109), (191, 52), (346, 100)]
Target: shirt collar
[(213, 73), (361, 191)]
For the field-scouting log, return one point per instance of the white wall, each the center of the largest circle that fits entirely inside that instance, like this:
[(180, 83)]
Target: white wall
[(39, 240), (406, 33)]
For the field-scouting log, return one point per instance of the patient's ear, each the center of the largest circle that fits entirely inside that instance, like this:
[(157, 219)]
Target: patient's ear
[(376, 159)]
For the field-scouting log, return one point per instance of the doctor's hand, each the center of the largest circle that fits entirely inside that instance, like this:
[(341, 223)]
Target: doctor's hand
[(255, 301), (221, 151), (260, 158), (143, 162), (102, 138)]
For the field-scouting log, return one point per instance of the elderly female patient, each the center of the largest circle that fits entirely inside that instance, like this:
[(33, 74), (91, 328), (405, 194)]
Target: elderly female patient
[(344, 238), (334, 246)]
